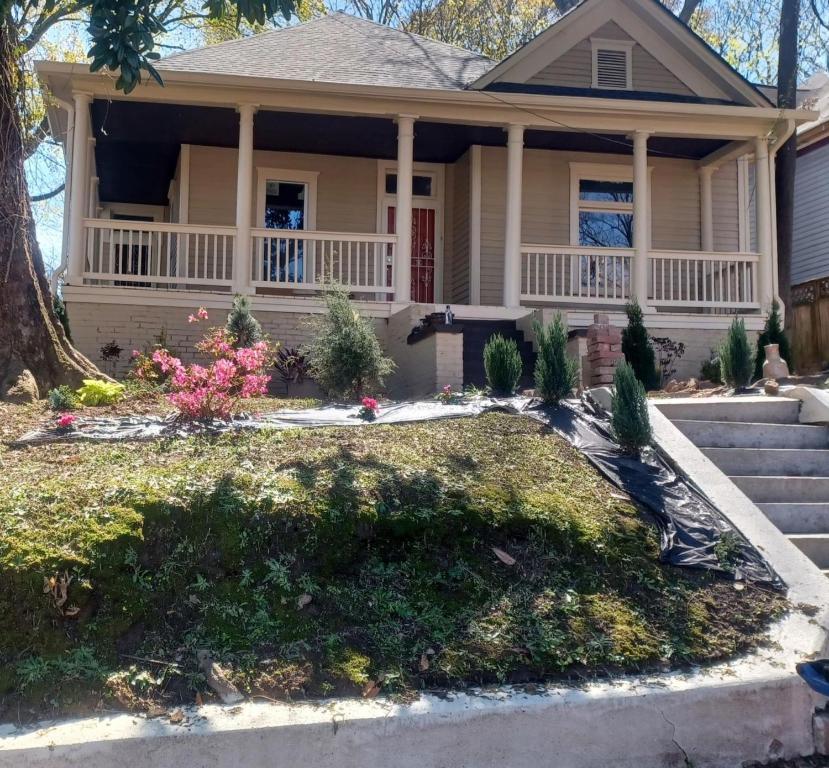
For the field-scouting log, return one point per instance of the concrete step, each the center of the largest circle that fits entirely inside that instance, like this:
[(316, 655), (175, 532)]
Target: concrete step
[(751, 409), (792, 462), (731, 434), (815, 546), (777, 489), (798, 518)]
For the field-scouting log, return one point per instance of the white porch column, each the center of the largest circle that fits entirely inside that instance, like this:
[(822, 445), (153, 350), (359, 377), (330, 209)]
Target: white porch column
[(706, 203), (403, 209), (244, 200), (764, 223), (77, 196), (512, 230), (641, 217)]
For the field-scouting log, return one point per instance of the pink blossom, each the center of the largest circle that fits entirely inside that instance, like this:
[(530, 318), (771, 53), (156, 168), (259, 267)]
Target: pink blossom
[(369, 403), (66, 420), (191, 319), (213, 391), (135, 353)]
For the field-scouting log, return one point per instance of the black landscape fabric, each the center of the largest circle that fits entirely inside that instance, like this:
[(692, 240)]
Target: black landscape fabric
[(694, 534)]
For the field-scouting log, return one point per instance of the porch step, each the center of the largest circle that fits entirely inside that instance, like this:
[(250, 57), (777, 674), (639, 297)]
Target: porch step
[(752, 410), (792, 462), (476, 333), (777, 489), (798, 518), (731, 434), (815, 546)]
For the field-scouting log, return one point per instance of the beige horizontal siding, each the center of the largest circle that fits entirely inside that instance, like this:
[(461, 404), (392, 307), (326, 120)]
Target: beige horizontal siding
[(726, 208), (546, 206), (346, 187), (574, 68)]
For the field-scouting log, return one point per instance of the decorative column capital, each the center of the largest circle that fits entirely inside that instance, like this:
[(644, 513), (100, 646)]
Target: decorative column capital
[(82, 98)]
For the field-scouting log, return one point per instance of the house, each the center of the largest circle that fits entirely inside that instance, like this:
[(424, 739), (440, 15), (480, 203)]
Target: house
[(810, 252), (609, 157)]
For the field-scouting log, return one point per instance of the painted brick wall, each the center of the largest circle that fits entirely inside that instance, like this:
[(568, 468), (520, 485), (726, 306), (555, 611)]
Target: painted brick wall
[(139, 327)]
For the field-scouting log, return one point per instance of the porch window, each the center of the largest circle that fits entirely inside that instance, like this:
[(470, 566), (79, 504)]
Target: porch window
[(605, 213), (286, 202)]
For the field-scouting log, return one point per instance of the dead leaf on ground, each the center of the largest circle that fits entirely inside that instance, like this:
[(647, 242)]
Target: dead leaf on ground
[(424, 662), (177, 717), (503, 556), (199, 699)]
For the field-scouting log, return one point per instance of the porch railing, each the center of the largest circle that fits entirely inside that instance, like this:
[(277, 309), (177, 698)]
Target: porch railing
[(701, 279), (146, 254), (302, 259), (676, 279), (570, 274)]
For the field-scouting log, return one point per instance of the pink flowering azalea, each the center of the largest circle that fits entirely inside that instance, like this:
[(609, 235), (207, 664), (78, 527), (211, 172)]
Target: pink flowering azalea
[(213, 391), (135, 353), (66, 421), (370, 403)]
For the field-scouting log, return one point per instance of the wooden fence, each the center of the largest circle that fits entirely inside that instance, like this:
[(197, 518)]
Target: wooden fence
[(810, 325)]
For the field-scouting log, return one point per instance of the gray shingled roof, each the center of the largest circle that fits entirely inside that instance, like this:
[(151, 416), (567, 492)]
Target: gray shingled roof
[(338, 49)]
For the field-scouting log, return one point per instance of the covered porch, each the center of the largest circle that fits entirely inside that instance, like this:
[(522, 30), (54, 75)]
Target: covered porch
[(277, 203)]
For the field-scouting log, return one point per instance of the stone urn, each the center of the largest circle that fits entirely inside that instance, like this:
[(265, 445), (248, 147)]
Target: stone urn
[(774, 367)]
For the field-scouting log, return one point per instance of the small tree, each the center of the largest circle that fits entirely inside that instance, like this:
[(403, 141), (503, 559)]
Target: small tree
[(503, 366), (629, 405), (345, 357), (773, 333), (736, 358), (637, 348), (556, 374), (241, 324)]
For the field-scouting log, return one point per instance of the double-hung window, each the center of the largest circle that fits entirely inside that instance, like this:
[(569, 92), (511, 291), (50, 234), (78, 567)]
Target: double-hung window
[(601, 204)]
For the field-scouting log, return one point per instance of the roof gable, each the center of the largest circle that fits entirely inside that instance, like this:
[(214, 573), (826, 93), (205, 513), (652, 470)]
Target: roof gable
[(338, 49), (667, 57)]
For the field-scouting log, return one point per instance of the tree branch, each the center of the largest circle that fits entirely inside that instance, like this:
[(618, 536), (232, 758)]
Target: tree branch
[(688, 8), (818, 15), (48, 195)]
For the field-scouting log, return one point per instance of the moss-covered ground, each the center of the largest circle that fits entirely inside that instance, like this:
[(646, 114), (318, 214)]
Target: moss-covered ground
[(334, 561)]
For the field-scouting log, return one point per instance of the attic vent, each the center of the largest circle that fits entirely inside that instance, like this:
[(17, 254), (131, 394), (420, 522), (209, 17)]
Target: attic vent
[(612, 67)]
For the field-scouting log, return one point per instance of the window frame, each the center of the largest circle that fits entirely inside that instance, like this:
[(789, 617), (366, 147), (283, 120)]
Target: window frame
[(600, 172), (625, 46), (309, 178)]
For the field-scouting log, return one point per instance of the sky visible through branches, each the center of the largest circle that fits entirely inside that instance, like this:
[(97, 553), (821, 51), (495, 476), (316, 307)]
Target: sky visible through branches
[(743, 31)]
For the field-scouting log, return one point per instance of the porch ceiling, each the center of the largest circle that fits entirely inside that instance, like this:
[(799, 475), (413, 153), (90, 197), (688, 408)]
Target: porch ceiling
[(137, 143)]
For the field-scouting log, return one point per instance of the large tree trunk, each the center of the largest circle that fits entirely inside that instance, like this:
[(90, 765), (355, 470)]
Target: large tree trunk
[(787, 154), (31, 338)]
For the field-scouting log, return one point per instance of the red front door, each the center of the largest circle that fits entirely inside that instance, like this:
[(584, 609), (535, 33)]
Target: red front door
[(423, 252)]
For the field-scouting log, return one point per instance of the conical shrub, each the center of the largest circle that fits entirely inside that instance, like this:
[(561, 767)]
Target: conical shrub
[(556, 374), (242, 324), (502, 363), (629, 405), (736, 357), (636, 347)]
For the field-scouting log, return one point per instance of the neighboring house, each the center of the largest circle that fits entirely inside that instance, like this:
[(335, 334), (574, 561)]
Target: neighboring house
[(810, 254), (608, 157)]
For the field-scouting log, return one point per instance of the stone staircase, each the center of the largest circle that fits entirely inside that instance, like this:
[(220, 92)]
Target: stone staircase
[(780, 464)]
